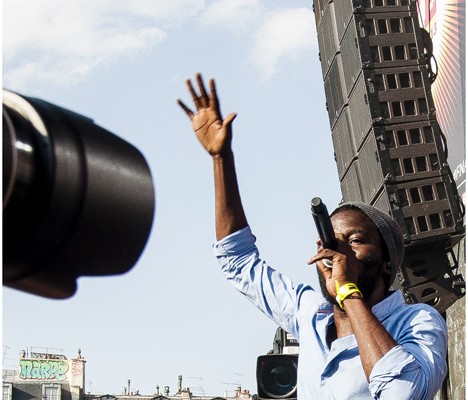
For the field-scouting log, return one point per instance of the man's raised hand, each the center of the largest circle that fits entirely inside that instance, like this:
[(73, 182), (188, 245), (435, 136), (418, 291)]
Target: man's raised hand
[(212, 131)]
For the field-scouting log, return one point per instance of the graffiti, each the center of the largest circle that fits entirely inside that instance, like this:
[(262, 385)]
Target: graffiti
[(43, 369)]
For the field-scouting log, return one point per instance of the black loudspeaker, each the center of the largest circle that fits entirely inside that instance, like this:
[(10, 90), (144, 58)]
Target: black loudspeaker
[(389, 149), (431, 275)]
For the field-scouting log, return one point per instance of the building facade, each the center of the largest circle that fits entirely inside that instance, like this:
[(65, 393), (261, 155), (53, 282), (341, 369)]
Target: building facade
[(45, 376)]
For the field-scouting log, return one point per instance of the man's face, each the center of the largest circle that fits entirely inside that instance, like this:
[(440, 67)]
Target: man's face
[(361, 242)]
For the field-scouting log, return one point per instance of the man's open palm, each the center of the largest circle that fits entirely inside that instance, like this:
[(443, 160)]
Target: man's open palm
[(212, 132)]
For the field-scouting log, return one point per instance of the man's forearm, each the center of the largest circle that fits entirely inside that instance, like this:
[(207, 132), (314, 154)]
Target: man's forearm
[(230, 216), (372, 338)]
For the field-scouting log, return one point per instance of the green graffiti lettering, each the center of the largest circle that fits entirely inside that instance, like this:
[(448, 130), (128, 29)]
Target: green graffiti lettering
[(43, 369), (62, 370), (53, 369), (36, 369), (25, 369)]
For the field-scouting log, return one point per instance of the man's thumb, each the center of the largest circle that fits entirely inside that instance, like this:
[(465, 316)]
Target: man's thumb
[(228, 120)]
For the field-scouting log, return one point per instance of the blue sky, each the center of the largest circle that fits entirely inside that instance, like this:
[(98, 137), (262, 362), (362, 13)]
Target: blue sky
[(124, 64)]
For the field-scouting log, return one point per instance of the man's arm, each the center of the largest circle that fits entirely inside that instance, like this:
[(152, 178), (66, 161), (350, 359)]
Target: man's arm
[(408, 358), (215, 135), (372, 338)]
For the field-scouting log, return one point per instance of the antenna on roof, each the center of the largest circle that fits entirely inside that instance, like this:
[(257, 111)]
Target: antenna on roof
[(199, 388)]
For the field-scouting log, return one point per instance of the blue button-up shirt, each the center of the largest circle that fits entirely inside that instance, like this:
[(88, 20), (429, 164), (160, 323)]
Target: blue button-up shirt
[(414, 369)]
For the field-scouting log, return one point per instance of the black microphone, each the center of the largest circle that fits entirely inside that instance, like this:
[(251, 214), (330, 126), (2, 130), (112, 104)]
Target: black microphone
[(323, 225)]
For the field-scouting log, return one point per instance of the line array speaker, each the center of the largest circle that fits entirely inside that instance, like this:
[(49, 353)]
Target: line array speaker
[(389, 149)]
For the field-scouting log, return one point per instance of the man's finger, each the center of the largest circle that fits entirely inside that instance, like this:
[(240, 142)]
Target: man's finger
[(228, 120), (214, 98), (203, 94), (187, 110), (194, 95)]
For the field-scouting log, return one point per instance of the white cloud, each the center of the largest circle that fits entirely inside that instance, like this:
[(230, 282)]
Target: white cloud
[(231, 13), (64, 40), (284, 34), (66, 71)]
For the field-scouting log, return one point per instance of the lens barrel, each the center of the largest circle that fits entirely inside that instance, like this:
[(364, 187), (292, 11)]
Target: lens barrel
[(277, 376), (78, 200)]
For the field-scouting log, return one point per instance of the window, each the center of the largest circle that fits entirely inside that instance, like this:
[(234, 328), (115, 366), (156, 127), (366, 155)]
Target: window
[(107, 397), (7, 391), (51, 392)]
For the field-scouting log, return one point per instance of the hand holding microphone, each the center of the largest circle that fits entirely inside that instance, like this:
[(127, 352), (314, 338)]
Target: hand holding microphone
[(324, 226)]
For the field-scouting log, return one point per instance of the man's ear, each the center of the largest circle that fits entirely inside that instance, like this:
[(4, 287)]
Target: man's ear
[(387, 268)]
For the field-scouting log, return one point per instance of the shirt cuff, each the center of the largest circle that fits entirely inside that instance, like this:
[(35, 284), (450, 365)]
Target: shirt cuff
[(234, 243), (393, 364)]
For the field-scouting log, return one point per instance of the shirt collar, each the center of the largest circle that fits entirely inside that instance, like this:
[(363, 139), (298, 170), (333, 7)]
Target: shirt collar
[(381, 310)]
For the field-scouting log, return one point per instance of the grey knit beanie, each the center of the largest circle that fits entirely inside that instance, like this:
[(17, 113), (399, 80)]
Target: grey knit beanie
[(389, 229)]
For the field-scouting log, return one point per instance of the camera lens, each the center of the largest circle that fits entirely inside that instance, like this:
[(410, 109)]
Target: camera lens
[(277, 376), (77, 199)]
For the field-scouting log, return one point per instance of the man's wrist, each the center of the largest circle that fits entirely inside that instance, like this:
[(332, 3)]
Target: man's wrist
[(223, 154), (345, 291), (354, 296)]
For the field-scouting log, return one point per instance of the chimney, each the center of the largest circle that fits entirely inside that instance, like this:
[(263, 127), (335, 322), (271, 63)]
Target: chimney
[(179, 384)]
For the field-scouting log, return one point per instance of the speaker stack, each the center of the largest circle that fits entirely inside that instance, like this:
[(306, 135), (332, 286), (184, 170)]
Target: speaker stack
[(389, 149)]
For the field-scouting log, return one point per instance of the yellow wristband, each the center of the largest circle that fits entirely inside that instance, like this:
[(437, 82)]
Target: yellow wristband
[(342, 292)]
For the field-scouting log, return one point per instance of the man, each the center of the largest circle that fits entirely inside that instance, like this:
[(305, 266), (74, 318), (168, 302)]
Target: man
[(357, 340)]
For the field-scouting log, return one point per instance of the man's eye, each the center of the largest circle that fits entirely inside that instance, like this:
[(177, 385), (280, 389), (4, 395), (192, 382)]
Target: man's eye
[(356, 241)]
